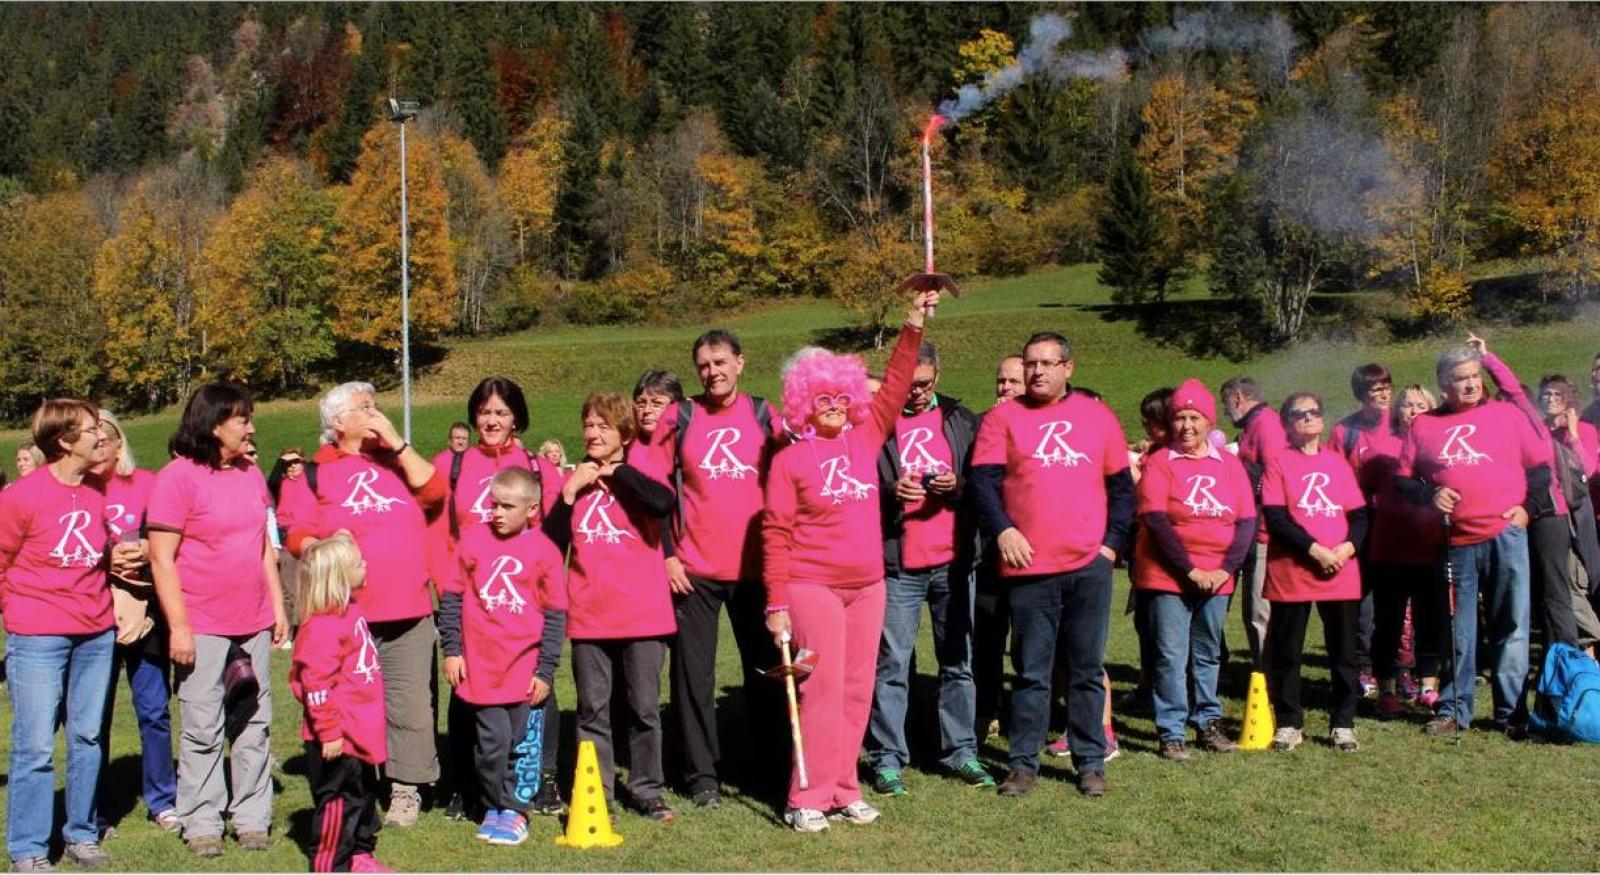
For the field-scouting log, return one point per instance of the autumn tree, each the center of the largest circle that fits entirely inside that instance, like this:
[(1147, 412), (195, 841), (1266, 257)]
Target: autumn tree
[(269, 271), (1191, 133), (529, 179), (146, 284), (50, 328), (366, 299), (1139, 253), (480, 238)]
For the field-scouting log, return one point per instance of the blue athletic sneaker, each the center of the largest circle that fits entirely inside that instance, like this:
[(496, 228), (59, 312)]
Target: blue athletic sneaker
[(511, 830), (490, 825)]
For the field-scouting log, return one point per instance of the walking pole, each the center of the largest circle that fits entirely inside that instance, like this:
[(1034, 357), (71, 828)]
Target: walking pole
[(1450, 591)]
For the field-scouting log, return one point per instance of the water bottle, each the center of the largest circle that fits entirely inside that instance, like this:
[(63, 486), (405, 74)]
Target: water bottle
[(129, 532)]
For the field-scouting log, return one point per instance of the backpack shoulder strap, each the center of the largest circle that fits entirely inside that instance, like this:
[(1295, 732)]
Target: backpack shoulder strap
[(311, 478), (763, 412), (455, 477), (1350, 436)]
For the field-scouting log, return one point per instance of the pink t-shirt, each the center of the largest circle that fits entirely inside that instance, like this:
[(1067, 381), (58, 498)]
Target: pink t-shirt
[(1368, 451), (53, 541), (1206, 498), (617, 582), (1057, 457), (822, 525), (1401, 532), (1261, 438), (127, 496), (222, 515), (389, 523), (725, 456), (336, 675), (929, 538), (296, 505), (1318, 492), (479, 464), (506, 586), (1483, 453)]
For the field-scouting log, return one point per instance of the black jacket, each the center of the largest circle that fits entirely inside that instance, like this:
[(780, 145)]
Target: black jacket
[(961, 432)]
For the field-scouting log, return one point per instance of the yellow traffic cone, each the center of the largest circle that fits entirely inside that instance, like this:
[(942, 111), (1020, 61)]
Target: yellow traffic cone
[(588, 821), (1258, 723)]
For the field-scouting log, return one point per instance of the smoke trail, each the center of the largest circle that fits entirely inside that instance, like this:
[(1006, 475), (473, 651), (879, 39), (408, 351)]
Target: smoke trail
[(1045, 33)]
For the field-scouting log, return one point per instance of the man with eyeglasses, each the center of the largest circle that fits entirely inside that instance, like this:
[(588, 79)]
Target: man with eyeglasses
[(1261, 436), (1051, 484), (1477, 462), (929, 545), (718, 445), (1368, 442)]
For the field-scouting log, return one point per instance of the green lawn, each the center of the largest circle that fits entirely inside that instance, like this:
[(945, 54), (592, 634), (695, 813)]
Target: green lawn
[(1403, 802)]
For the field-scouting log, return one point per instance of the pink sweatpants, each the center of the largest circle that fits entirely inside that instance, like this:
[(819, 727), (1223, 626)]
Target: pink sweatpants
[(843, 627)]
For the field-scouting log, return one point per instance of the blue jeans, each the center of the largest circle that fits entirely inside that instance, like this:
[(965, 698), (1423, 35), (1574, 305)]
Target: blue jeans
[(148, 681), (45, 671), (1077, 606), (1499, 568), (950, 606), (1187, 630)]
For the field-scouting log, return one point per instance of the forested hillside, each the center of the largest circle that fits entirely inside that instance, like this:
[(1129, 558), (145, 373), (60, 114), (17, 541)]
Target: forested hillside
[(190, 191)]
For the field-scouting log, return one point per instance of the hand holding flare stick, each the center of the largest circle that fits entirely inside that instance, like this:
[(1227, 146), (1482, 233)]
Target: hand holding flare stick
[(800, 665), (929, 280)]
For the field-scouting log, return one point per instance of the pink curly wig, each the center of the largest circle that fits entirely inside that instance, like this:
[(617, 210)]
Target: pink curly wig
[(813, 371)]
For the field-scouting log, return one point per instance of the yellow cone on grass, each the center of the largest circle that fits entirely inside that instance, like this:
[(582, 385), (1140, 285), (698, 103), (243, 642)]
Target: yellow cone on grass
[(588, 821), (1258, 723)]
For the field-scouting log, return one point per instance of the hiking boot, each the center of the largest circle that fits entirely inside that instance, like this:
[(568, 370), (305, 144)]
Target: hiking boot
[(1060, 748), (32, 864), (548, 800), (367, 863), (167, 820), (857, 812), (1441, 726), (1018, 783), (1287, 738), (1344, 739), (489, 826), (405, 805), (1213, 739), (973, 774), (1093, 784), (1175, 751), (887, 782), (87, 855), (709, 799), (656, 809), (806, 820), (206, 847), (252, 841), (512, 829), (1390, 706)]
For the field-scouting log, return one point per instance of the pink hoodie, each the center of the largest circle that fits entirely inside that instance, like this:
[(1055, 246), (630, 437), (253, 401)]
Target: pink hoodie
[(53, 541), (336, 675)]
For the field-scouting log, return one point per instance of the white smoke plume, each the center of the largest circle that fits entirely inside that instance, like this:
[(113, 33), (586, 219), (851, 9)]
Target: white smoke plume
[(1045, 34)]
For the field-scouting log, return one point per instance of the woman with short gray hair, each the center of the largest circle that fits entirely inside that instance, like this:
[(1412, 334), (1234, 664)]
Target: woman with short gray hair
[(371, 482)]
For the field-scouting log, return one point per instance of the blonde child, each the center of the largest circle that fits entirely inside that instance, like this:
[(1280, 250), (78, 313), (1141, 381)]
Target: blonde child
[(502, 621), (337, 677)]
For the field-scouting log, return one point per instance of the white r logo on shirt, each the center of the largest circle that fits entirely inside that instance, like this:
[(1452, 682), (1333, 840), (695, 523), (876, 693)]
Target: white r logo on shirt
[(1200, 501), (596, 522), (1314, 501), (719, 460), (82, 552), (363, 497), (1053, 449), (1456, 450), (914, 455), (837, 483), (498, 591), (367, 664)]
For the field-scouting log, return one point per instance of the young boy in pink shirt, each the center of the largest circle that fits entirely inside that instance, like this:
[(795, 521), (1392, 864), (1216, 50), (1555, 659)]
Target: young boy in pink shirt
[(502, 620)]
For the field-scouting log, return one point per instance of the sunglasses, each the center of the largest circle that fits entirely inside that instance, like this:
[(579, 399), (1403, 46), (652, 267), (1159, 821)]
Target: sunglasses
[(1306, 414)]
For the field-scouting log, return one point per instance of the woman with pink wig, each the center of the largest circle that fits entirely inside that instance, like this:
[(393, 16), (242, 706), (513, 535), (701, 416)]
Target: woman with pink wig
[(822, 539)]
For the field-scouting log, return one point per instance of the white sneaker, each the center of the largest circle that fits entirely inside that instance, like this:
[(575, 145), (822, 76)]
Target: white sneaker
[(1344, 740), (1287, 738), (857, 812), (806, 820)]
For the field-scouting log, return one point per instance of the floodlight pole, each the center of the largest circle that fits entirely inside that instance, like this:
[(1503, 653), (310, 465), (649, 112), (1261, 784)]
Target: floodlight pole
[(400, 112)]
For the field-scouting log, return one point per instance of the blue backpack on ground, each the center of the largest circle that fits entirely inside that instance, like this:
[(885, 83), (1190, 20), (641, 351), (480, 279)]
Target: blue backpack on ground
[(1568, 705)]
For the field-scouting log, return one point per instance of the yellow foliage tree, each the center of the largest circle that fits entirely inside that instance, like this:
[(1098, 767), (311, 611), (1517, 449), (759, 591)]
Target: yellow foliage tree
[(269, 271), (480, 232), (1192, 132), (1545, 162), (530, 176), (989, 51), (366, 299), (145, 282)]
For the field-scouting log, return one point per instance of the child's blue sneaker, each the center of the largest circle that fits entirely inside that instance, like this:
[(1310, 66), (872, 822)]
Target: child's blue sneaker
[(511, 830), (490, 825)]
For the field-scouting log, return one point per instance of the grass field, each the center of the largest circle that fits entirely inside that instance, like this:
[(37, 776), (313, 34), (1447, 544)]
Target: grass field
[(1404, 802)]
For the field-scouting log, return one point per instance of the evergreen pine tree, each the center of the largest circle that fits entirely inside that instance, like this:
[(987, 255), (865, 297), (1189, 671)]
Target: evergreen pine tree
[(1138, 258)]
